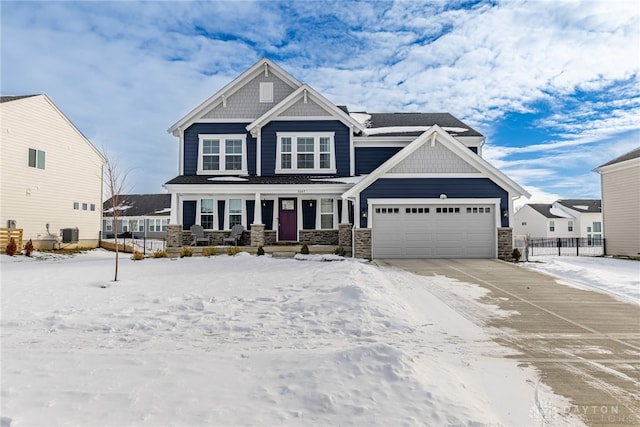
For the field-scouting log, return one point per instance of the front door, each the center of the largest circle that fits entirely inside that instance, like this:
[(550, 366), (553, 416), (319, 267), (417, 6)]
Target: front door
[(287, 220)]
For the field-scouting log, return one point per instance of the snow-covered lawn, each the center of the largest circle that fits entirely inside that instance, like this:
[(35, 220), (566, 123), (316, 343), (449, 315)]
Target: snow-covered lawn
[(249, 340), (617, 277)]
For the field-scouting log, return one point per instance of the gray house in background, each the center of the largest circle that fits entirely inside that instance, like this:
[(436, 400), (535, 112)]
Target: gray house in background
[(140, 215), (620, 180)]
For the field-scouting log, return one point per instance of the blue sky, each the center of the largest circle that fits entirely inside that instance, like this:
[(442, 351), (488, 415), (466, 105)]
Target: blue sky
[(553, 85)]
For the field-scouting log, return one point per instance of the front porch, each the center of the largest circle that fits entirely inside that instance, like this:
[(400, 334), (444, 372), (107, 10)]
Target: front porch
[(277, 251)]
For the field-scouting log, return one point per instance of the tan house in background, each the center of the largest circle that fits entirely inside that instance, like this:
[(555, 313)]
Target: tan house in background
[(51, 175), (620, 180)]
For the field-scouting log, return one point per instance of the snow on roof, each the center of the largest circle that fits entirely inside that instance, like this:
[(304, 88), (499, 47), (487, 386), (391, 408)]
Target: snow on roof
[(227, 178), (407, 129), (120, 208), (362, 118), (559, 212), (344, 179)]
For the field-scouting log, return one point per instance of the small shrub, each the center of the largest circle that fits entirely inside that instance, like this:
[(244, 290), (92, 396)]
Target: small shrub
[(260, 251), (233, 250), (186, 251), (137, 256), (304, 250), (28, 248), (11, 247), (213, 251), (515, 254), (160, 253), (340, 251)]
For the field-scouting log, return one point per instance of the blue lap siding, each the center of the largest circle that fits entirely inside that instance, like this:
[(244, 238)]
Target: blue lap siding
[(269, 142), (369, 158), (431, 188), (191, 143)]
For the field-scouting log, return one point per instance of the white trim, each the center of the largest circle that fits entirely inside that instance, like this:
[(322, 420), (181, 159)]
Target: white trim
[(231, 88), (258, 138), (452, 144), (615, 167), (266, 92), (181, 151), (316, 152), (229, 120), (276, 189), (221, 155)]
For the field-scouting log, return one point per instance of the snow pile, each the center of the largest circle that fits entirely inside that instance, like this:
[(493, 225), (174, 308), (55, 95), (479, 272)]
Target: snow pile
[(249, 340), (617, 277)]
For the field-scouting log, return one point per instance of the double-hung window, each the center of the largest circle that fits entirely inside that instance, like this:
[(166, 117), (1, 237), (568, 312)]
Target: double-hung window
[(326, 213), (222, 155), (305, 152), (552, 226), (158, 224), (206, 213), (235, 212)]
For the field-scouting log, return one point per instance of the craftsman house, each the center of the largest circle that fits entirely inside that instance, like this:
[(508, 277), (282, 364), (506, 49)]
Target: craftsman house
[(275, 156)]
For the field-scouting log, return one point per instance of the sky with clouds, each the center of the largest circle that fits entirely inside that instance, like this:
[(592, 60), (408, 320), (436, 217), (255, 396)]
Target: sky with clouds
[(553, 85)]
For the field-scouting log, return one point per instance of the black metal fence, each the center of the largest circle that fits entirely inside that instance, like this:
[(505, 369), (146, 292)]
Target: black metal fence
[(563, 246)]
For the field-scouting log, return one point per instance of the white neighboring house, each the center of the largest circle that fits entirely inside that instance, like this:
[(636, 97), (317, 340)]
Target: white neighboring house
[(620, 180), (561, 219), (51, 183)]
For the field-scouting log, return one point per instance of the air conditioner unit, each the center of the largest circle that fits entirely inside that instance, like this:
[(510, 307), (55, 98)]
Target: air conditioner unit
[(69, 235)]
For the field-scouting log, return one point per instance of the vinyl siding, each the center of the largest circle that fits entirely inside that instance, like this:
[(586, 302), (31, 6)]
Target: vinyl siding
[(621, 211), (269, 142), (191, 141), (73, 173), (369, 158), (431, 188)]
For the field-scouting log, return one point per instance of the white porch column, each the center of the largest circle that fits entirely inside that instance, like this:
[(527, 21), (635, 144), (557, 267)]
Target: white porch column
[(173, 217), (345, 212), (257, 211)]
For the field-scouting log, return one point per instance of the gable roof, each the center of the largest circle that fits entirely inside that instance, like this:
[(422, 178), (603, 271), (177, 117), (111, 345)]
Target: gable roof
[(55, 108), (434, 133), (141, 205), (413, 124), (544, 209), (13, 98), (263, 65), (303, 92), (582, 205), (633, 154)]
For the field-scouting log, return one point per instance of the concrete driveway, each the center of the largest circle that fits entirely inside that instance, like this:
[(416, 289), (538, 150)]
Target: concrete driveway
[(585, 344)]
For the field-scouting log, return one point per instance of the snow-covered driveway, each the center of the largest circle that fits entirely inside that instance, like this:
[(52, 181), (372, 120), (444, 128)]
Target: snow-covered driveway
[(249, 340)]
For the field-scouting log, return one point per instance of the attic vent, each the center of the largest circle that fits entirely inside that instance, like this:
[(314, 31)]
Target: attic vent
[(69, 235), (266, 92)]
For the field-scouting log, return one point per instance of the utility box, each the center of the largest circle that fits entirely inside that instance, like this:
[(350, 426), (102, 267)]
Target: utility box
[(11, 223), (69, 235)]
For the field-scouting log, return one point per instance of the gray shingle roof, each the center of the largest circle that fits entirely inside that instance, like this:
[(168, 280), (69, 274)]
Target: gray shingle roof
[(379, 120), (142, 204), (13, 98), (634, 154), (544, 209), (583, 205)]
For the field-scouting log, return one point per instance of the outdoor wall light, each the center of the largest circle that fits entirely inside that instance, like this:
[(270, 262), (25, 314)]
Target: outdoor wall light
[(443, 196), (364, 213), (505, 213)]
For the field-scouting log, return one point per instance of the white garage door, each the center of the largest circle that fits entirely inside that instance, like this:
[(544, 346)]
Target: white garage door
[(432, 231)]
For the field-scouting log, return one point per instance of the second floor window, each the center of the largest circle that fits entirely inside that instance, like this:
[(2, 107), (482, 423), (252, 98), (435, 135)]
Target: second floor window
[(552, 226), (305, 152), (570, 226), (222, 154), (36, 158)]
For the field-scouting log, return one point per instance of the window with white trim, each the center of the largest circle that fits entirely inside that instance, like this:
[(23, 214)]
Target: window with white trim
[(552, 226), (326, 213), (158, 224), (235, 212), (570, 226), (108, 225), (222, 154), (305, 152), (206, 214)]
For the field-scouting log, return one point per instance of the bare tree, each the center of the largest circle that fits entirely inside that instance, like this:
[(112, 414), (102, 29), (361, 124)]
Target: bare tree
[(115, 178)]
